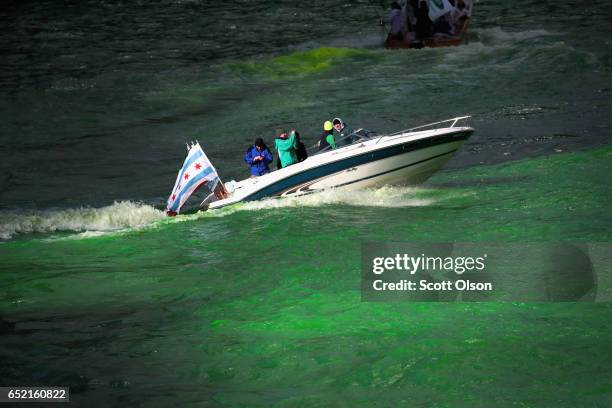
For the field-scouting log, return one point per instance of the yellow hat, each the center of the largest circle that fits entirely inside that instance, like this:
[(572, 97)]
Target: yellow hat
[(328, 125)]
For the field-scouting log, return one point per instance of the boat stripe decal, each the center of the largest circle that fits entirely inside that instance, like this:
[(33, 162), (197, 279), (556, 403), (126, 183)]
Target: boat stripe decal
[(307, 185), (398, 168)]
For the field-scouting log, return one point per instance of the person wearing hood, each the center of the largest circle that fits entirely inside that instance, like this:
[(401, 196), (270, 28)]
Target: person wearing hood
[(287, 148), (258, 156), (342, 131), (327, 138)]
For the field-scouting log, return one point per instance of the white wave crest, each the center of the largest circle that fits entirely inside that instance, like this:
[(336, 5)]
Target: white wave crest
[(116, 217), (386, 196)]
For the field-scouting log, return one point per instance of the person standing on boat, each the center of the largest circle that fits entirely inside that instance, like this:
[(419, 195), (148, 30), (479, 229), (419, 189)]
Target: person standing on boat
[(342, 131), (459, 15), (286, 145), (423, 22), (397, 19), (327, 138), (258, 156), (411, 7), (301, 152)]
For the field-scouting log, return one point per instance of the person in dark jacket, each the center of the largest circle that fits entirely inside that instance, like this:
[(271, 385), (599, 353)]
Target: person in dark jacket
[(301, 152), (258, 157), (342, 132), (424, 24)]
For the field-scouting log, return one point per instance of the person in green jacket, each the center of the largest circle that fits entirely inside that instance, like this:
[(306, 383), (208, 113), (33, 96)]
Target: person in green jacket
[(327, 138), (287, 148)]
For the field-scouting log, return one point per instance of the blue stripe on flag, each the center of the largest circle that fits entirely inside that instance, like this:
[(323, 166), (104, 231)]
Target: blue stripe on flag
[(189, 162), (203, 174)]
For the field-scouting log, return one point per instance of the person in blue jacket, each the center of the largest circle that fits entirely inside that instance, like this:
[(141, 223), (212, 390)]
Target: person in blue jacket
[(258, 157)]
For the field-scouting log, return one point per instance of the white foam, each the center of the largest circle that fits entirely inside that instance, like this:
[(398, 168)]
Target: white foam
[(387, 196), (126, 215), (87, 221)]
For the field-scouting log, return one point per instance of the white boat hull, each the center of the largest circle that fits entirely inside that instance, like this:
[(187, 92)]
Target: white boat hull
[(405, 169)]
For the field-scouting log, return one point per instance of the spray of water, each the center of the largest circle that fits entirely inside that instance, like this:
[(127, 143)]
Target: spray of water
[(116, 217)]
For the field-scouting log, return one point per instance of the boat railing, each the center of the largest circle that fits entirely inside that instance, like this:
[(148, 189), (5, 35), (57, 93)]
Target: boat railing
[(429, 125), (434, 125)]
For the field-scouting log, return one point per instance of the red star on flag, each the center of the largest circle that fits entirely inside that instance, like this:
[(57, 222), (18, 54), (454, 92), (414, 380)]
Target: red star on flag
[(173, 197), (186, 176), (198, 166)]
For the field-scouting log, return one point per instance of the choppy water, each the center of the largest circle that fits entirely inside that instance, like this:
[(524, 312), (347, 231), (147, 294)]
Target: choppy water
[(259, 304)]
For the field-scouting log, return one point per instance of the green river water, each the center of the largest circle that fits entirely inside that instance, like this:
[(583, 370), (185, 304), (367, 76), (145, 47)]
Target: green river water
[(259, 304)]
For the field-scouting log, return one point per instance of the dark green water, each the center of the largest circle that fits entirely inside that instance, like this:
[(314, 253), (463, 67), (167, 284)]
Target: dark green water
[(259, 305)]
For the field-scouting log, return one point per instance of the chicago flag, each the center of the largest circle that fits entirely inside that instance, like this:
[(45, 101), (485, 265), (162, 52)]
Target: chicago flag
[(197, 171)]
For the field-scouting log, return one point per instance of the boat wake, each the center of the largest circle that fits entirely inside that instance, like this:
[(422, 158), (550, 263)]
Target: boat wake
[(386, 196), (501, 50), (493, 41), (86, 221), (128, 216)]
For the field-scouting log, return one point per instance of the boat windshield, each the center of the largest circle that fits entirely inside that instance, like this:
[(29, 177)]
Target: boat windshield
[(357, 136)]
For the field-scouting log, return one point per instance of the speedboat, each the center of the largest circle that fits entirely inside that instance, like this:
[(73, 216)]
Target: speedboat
[(362, 159), (454, 20)]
